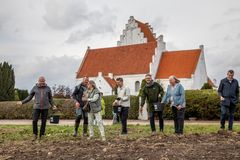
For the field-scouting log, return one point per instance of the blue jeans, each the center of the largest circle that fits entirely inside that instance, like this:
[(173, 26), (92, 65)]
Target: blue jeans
[(152, 120), (224, 110)]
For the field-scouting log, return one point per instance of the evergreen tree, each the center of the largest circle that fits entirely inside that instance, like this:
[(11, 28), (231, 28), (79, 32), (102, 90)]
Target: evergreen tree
[(7, 82), (22, 94)]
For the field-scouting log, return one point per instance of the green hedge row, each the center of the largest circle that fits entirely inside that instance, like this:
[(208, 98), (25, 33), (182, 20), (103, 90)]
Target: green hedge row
[(66, 109), (202, 104)]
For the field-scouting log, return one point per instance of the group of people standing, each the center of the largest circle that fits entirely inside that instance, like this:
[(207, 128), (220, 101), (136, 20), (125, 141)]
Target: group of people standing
[(154, 95), (88, 103)]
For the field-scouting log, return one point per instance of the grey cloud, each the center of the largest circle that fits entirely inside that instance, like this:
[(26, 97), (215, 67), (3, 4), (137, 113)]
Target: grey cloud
[(65, 14), (82, 22), (221, 60), (232, 11), (216, 26), (57, 70), (238, 36), (158, 25), (99, 23)]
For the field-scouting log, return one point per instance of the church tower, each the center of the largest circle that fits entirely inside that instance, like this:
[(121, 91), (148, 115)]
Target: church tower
[(136, 32)]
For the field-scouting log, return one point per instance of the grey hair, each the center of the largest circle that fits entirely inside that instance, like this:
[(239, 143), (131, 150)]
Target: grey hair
[(148, 75), (92, 83), (175, 78)]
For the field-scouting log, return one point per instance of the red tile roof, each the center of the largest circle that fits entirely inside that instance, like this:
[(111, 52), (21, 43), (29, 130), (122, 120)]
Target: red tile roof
[(111, 82), (182, 64), (147, 32), (121, 60)]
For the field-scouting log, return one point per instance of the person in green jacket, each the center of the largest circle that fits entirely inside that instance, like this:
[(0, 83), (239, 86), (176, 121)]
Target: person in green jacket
[(152, 92)]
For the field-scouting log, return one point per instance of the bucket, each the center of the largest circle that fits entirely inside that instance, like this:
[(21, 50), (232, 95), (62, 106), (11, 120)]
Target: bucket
[(54, 119)]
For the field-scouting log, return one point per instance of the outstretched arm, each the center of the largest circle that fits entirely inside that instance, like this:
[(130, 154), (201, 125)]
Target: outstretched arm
[(29, 98)]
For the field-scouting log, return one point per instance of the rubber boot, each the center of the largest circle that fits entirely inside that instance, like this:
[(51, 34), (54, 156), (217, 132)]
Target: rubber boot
[(85, 128), (75, 130)]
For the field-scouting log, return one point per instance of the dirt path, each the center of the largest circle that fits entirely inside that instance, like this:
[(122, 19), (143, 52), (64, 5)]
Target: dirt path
[(210, 147)]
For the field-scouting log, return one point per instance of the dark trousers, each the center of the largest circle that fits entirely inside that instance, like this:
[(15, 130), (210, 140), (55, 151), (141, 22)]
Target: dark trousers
[(178, 117), (124, 117), (152, 120), (224, 110), (85, 122), (36, 115)]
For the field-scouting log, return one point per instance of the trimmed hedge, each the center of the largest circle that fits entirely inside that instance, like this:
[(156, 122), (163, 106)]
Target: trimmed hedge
[(9, 110), (202, 104), (133, 111)]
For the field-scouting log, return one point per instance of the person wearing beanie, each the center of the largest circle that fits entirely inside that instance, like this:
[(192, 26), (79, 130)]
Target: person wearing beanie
[(94, 101)]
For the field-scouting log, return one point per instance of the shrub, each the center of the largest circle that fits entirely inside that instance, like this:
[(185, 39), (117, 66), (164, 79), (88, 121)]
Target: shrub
[(133, 110), (21, 94), (206, 86), (202, 104), (9, 109)]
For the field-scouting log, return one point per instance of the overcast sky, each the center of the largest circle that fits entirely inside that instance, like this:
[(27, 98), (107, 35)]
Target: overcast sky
[(50, 37)]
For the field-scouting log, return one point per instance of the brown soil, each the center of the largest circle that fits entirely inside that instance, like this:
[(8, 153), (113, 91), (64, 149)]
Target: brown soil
[(208, 146)]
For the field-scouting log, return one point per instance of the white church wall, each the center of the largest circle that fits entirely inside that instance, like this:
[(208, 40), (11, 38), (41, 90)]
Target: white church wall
[(101, 84), (130, 80), (161, 46), (200, 75), (131, 34), (187, 83)]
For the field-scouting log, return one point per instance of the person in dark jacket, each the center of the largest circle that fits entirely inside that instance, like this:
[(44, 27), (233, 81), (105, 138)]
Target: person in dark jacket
[(229, 95), (152, 92), (43, 99), (78, 94)]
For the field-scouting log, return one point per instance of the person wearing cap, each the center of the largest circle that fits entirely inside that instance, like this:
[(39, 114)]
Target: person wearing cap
[(43, 99), (78, 95), (228, 91), (175, 94), (152, 92), (94, 101)]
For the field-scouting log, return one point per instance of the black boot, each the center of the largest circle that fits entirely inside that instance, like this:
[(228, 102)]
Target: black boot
[(85, 129), (75, 130)]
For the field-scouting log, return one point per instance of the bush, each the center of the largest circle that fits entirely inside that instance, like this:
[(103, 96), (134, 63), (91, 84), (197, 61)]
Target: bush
[(133, 110), (206, 86), (21, 94), (9, 110), (202, 104)]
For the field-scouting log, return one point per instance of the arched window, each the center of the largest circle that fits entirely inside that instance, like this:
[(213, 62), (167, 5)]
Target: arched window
[(137, 86)]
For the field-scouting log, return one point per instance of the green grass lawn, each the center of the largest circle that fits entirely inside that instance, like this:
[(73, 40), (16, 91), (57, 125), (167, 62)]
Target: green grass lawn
[(57, 132)]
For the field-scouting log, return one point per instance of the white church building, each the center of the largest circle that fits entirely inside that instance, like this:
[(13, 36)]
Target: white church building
[(137, 53)]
